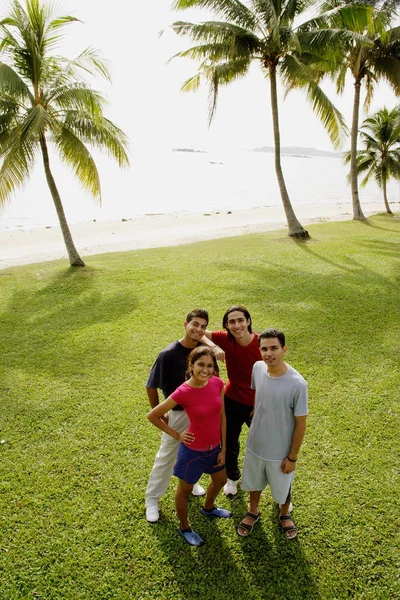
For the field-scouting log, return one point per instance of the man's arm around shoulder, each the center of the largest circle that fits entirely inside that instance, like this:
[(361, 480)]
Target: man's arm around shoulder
[(206, 340)]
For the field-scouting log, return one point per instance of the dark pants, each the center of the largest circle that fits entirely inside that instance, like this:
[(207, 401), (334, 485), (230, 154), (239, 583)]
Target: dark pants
[(236, 415)]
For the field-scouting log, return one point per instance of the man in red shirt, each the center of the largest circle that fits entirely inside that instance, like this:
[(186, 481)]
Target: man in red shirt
[(241, 350)]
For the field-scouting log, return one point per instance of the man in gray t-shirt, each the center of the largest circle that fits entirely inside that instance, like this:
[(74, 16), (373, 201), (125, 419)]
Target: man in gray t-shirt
[(276, 432)]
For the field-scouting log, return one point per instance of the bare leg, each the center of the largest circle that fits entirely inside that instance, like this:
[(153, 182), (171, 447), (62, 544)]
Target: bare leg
[(183, 492), (254, 501), (218, 481)]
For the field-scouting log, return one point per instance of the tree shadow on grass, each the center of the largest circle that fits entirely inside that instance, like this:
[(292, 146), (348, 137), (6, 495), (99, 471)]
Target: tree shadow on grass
[(348, 301), (352, 266), (322, 285), (369, 223), (382, 248), (37, 325)]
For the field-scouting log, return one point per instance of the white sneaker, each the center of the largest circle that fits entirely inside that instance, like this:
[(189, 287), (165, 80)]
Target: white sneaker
[(152, 513), (198, 490), (290, 507), (230, 488)]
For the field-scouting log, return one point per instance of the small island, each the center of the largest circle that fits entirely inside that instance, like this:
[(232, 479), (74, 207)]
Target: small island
[(189, 150), (298, 151)]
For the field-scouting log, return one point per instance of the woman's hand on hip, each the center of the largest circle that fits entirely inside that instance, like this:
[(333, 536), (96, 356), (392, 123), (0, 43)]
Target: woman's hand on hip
[(186, 437)]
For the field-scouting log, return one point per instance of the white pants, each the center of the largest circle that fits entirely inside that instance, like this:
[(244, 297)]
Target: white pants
[(161, 473)]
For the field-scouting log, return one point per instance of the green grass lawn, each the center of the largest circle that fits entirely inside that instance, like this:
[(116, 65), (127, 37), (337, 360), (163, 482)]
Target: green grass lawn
[(76, 447)]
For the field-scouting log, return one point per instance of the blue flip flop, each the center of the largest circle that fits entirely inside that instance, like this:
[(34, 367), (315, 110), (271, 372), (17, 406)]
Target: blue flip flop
[(191, 537), (222, 513)]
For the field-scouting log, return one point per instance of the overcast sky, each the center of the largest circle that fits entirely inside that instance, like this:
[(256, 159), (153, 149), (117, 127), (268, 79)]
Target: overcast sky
[(145, 96)]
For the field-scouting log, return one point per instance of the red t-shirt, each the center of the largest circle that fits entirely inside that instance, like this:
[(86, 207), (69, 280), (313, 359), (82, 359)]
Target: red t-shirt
[(203, 406), (239, 366)]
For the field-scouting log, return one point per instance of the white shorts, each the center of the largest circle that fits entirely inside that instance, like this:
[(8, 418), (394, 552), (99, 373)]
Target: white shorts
[(258, 473)]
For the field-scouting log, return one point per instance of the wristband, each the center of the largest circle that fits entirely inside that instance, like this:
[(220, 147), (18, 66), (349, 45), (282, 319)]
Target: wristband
[(291, 460)]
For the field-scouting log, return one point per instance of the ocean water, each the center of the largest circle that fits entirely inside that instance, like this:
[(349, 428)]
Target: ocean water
[(165, 181)]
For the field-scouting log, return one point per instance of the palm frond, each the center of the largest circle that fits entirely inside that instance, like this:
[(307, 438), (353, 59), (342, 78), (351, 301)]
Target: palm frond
[(267, 14), (9, 110), (34, 124), (369, 83), (388, 68), (340, 78), (75, 153), (293, 9), (99, 132), (350, 16), (328, 39), (213, 31), (295, 71), (230, 10), (90, 61), (236, 47), (329, 115), (214, 52), (16, 166), (12, 84), (52, 33), (223, 74), (192, 84), (59, 22), (76, 96)]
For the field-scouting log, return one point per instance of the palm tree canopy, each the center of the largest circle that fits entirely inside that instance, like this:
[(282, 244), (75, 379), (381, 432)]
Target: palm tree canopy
[(46, 95), (380, 157), (265, 31), (373, 52)]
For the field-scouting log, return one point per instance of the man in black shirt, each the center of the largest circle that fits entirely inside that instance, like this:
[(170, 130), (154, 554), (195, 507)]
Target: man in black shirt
[(168, 373)]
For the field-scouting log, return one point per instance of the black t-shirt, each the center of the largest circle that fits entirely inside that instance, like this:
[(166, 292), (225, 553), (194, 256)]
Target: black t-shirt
[(168, 372)]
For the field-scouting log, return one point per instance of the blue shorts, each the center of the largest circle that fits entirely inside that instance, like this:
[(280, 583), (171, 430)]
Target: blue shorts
[(191, 464)]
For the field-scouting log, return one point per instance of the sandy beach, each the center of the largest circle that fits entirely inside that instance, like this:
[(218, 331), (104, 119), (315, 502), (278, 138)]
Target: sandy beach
[(25, 246)]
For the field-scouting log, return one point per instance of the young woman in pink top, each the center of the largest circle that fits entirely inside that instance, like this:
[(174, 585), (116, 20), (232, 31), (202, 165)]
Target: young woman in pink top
[(202, 448)]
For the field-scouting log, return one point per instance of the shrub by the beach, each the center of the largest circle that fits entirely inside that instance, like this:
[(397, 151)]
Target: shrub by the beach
[(44, 98)]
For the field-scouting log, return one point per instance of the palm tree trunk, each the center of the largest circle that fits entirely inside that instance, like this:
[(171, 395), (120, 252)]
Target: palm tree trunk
[(74, 258), (385, 200), (295, 227), (357, 211)]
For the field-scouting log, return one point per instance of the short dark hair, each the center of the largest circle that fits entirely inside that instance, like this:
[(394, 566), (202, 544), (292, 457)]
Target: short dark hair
[(241, 309), (272, 333), (197, 353), (200, 313)]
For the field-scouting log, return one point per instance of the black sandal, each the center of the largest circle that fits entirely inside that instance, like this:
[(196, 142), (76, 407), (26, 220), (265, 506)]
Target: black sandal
[(246, 526), (288, 528)]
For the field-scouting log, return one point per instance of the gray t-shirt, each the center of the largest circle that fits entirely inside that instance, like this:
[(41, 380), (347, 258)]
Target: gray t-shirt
[(278, 401)]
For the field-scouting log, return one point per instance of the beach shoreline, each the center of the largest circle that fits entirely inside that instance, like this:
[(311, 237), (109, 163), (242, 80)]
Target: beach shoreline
[(27, 246)]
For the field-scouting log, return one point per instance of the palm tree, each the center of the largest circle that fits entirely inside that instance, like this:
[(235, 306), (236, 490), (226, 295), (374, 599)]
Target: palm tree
[(380, 157), (44, 99), (373, 55), (261, 31)]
